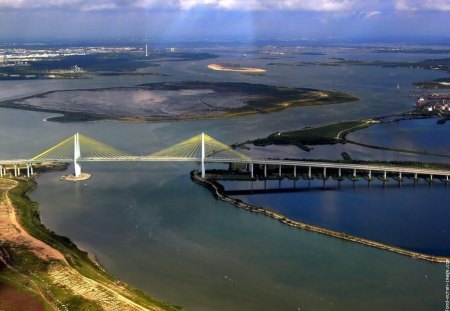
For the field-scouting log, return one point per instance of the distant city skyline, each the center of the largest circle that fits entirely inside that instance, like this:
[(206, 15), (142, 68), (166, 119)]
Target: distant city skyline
[(378, 20)]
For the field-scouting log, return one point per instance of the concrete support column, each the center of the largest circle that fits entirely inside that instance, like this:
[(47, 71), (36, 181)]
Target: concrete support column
[(15, 170), (324, 172), (295, 171), (370, 175), (431, 176), (400, 175), (76, 155), (354, 173), (1, 171), (203, 156), (251, 169), (385, 175), (265, 170), (28, 170), (340, 173), (415, 176), (446, 178), (31, 169), (279, 171), (309, 172)]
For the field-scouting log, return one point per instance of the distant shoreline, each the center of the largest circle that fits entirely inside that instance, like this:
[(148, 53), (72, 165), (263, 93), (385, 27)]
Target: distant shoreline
[(219, 67)]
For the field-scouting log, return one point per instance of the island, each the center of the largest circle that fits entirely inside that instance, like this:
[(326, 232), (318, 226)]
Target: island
[(171, 101), (321, 135), (235, 68)]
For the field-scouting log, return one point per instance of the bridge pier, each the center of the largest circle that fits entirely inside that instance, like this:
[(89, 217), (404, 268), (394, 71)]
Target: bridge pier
[(309, 172), (1, 170), (369, 177), (251, 170), (324, 173), (400, 178), (16, 171), (265, 170), (279, 171), (29, 170), (354, 173), (340, 173), (384, 175), (295, 172)]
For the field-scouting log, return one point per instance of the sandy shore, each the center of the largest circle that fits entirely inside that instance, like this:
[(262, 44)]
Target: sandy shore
[(12, 231), (108, 294), (237, 69)]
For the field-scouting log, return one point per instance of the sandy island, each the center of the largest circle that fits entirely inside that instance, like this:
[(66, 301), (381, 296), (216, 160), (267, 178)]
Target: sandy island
[(83, 176), (235, 69)]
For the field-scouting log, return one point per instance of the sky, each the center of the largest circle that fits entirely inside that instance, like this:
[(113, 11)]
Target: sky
[(368, 20)]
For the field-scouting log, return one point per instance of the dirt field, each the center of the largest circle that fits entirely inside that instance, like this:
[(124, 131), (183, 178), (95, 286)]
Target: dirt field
[(13, 300)]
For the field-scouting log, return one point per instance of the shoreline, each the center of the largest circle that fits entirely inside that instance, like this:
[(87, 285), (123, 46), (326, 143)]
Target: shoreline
[(69, 271), (218, 192)]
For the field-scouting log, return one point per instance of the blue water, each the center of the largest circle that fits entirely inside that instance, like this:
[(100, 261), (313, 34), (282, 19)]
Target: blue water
[(149, 225), (420, 135), (393, 213)]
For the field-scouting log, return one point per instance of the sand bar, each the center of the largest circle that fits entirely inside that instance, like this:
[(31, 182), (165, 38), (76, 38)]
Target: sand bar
[(235, 69)]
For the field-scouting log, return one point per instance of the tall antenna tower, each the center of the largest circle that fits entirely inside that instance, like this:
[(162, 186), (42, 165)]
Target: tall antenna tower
[(146, 50)]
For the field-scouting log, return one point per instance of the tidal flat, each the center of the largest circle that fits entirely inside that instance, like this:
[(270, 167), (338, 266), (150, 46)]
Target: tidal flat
[(174, 101)]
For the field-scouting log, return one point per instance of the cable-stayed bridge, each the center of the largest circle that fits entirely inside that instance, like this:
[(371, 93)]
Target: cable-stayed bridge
[(205, 149)]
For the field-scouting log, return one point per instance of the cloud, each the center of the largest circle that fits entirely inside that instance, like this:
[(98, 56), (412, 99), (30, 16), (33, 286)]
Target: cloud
[(247, 5), (423, 5), (367, 8), (372, 14)]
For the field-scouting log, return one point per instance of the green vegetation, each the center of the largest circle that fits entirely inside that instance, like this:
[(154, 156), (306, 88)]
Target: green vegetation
[(28, 215), (322, 135), (31, 278), (430, 64), (101, 64), (442, 83)]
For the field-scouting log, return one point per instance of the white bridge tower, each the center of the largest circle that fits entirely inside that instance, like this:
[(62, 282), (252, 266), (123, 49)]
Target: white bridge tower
[(203, 155), (76, 154)]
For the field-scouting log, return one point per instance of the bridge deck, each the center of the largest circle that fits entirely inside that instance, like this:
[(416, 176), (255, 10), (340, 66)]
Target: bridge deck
[(299, 163)]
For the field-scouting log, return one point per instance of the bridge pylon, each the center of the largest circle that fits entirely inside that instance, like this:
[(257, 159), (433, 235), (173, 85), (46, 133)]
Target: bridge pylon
[(76, 155), (203, 156)]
